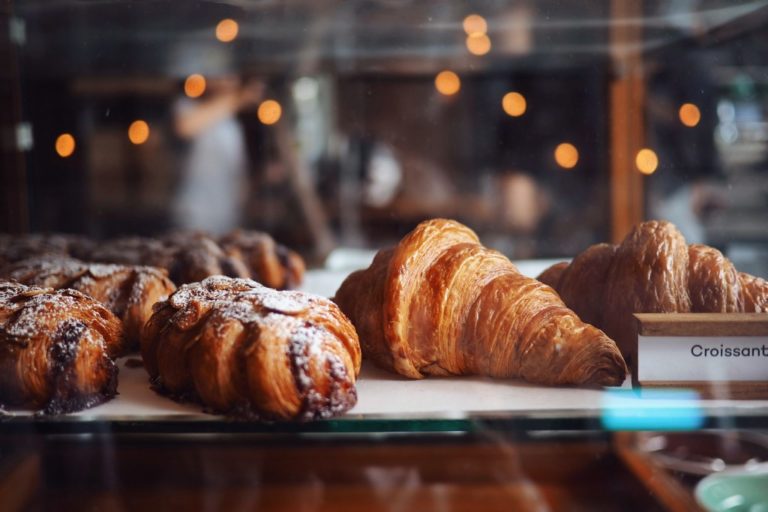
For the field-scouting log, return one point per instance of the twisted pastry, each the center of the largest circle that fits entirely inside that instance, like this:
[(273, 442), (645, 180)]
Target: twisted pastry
[(56, 349), (242, 348), (653, 270), (440, 303), (269, 263), (191, 256), (128, 291), (19, 247)]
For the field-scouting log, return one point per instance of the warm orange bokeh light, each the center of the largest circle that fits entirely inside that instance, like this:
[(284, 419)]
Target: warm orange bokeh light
[(65, 145), (447, 83), (269, 112), (475, 24), (566, 155), (514, 104), (194, 86), (478, 44), (138, 132), (646, 161), (690, 115), (226, 30)]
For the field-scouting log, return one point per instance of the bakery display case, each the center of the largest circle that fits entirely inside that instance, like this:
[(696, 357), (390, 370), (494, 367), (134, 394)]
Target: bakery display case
[(393, 254)]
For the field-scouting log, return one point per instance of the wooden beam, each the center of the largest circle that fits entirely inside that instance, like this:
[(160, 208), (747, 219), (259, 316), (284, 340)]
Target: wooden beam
[(627, 132)]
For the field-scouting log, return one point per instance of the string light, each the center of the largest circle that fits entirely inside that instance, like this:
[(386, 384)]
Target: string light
[(269, 112), (65, 145), (138, 132), (475, 24), (566, 155), (514, 104), (690, 115), (478, 44), (226, 30), (646, 161), (194, 86), (447, 83)]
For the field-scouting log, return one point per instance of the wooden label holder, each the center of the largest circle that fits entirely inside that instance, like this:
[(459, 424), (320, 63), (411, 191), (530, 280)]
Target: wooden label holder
[(721, 355)]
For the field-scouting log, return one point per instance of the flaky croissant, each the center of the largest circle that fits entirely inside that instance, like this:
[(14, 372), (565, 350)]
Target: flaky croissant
[(440, 303), (653, 270), (128, 291), (56, 349), (244, 349)]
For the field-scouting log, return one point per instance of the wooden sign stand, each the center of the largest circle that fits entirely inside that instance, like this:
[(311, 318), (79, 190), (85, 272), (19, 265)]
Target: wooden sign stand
[(707, 346)]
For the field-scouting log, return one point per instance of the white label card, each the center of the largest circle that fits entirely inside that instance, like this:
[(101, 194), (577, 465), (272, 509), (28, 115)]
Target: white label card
[(697, 358)]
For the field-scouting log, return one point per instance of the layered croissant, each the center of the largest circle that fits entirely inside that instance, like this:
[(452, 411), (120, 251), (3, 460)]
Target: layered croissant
[(653, 270), (128, 291), (440, 303), (56, 349), (244, 349)]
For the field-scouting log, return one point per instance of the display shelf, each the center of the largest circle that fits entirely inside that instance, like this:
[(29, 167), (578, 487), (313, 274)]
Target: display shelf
[(391, 403)]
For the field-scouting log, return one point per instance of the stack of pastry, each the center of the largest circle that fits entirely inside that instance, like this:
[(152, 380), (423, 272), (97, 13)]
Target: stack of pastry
[(56, 349), (653, 270)]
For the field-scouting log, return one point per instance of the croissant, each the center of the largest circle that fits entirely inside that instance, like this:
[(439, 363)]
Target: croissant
[(440, 303), (244, 349), (128, 291), (56, 349), (653, 270)]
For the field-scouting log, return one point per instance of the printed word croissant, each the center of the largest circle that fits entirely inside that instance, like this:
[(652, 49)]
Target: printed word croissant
[(440, 303), (653, 270)]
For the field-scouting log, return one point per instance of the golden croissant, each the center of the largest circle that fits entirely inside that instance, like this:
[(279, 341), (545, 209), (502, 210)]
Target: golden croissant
[(128, 291), (56, 349), (244, 349), (440, 303), (653, 270)]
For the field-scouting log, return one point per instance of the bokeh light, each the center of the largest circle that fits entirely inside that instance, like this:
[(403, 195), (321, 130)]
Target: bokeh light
[(226, 30), (269, 111), (475, 24), (690, 115), (65, 145), (194, 86), (138, 132), (646, 161), (447, 83), (566, 155), (478, 44), (514, 104)]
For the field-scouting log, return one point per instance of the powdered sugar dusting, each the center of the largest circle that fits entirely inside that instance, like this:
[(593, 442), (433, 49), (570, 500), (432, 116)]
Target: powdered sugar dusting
[(309, 347)]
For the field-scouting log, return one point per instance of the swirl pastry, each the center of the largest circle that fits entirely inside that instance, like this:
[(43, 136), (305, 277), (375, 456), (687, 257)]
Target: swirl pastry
[(241, 348), (440, 303), (653, 270), (269, 263), (56, 349), (192, 256), (128, 291)]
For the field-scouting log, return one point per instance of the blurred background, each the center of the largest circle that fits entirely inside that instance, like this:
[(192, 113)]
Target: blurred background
[(544, 125)]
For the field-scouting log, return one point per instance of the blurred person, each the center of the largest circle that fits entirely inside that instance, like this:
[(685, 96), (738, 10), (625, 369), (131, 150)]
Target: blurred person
[(213, 185)]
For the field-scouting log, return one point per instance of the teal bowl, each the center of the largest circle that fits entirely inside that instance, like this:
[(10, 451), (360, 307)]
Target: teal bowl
[(742, 491)]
